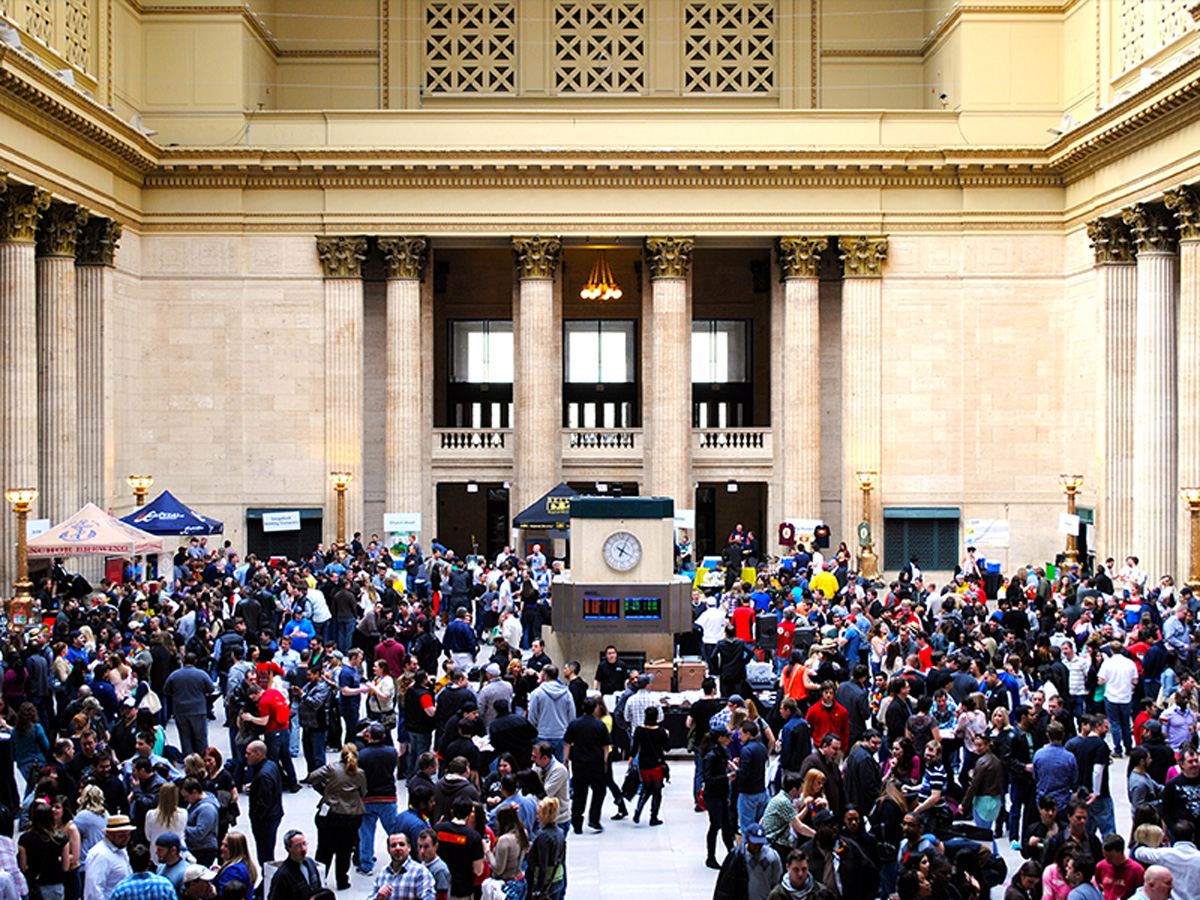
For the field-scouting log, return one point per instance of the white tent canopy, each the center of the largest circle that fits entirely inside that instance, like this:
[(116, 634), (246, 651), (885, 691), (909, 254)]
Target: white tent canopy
[(92, 532)]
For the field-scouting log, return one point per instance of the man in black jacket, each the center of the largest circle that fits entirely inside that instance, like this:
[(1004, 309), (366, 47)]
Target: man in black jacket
[(730, 663), (1015, 749), (854, 876), (862, 777), (297, 877), (266, 800), (853, 696)]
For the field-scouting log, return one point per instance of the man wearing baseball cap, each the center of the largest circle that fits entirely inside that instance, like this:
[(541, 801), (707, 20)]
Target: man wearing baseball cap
[(168, 849), (197, 883), (108, 861), (751, 871)]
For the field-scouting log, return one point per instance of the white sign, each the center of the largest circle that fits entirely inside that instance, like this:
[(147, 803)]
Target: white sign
[(806, 529), (1068, 524), (401, 523), (281, 521), (986, 533), (36, 527), (685, 518)]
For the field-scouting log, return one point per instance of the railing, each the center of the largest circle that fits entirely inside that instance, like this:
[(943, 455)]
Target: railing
[(602, 440), (468, 439), (471, 446), (733, 439)]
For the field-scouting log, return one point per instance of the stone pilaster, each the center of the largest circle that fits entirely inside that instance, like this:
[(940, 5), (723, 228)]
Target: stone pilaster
[(862, 380), (341, 265), (537, 378), (1116, 276), (407, 381), (95, 250), (799, 425), (21, 208), (668, 398), (1155, 449), (1184, 202), (58, 393)]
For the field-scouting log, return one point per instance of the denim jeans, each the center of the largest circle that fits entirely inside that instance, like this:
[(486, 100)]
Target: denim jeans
[(381, 811), (277, 752), (345, 634), (314, 749), (1101, 817), (1020, 797), (1120, 721), (750, 809), (698, 774), (556, 745), (193, 734), (420, 743)]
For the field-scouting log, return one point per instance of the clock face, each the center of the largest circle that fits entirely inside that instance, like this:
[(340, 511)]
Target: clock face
[(622, 551)]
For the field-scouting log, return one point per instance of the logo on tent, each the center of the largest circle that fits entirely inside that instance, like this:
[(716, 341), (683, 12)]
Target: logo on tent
[(83, 530)]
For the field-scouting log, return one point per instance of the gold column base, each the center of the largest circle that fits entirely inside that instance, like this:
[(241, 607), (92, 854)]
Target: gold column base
[(868, 563)]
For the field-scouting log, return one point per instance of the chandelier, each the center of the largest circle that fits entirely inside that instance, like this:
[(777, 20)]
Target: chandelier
[(601, 286)]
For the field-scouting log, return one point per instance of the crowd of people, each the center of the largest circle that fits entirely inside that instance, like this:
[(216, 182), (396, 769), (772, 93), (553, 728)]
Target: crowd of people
[(851, 740)]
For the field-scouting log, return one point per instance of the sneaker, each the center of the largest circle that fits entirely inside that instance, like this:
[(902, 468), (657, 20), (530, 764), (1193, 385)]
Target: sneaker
[(623, 814), (712, 863), (1117, 756), (596, 828), (656, 821), (1016, 845), (361, 871), (578, 829)]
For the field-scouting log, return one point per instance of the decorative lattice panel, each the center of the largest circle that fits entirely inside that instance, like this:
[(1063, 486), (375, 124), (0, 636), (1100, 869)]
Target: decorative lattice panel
[(77, 34), (1173, 20), (471, 47), (729, 47), (600, 47), (39, 19), (6, 8), (1146, 26)]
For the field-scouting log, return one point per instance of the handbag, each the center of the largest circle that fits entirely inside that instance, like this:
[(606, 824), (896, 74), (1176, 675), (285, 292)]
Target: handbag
[(632, 781), (988, 808), (151, 702)]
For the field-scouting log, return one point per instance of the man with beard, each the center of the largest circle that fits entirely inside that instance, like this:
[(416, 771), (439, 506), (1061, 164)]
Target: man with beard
[(839, 864)]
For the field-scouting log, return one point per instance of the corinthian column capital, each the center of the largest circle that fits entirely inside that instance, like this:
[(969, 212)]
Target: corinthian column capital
[(58, 230), (342, 255), (21, 208), (1152, 227), (799, 257), (405, 257), (537, 257), (97, 242), (863, 256), (669, 257), (1112, 242), (1184, 202)]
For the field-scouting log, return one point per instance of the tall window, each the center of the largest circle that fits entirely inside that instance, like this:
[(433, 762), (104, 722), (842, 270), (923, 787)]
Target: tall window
[(721, 383), (599, 365), (481, 374)]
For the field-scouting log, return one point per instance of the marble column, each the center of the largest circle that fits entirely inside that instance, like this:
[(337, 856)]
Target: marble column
[(1155, 448), (21, 208), (668, 396), (94, 254), (1116, 276), (799, 427), (537, 375), (341, 264), (862, 380), (1184, 202), (405, 454), (58, 389)]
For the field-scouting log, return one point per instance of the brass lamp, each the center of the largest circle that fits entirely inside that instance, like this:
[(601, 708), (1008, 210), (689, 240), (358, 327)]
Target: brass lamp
[(1071, 484), (141, 486), (341, 481), (868, 561), (1191, 496), (22, 501)]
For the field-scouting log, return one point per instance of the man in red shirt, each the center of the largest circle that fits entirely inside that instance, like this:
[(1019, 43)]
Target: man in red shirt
[(924, 651), (1117, 874), (785, 638), (829, 716), (274, 716), (743, 620)]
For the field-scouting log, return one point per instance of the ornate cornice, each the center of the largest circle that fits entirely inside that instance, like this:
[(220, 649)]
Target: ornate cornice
[(1184, 202), (58, 230), (1152, 227), (1112, 242), (97, 243), (21, 209), (537, 257), (669, 257), (799, 257), (404, 257), (863, 256), (342, 256)]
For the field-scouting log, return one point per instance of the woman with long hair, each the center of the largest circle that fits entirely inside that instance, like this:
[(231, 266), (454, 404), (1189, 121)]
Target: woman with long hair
[(508, 856), (887, 823), (478, 821), (91, 820), (218, 782), (343, 787), (812, 799), (546, 870), (236, 864), (381, 699), (650, 745), (43, 854), (29, 744), (63, 810), (121, 677), (166, 815), (714, 766)]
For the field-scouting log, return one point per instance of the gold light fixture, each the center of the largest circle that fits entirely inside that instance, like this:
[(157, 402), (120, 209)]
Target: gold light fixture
[(1071, 484), (868, 561), (22, 501), (601, 286), (141, 486), (1191, 496), (341, 481)]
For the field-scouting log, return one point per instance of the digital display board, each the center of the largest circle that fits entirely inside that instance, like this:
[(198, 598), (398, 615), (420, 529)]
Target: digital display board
[(601, 607), (643, 608)]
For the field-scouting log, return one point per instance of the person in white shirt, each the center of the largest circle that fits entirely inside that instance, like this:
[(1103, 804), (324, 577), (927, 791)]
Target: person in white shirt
[(1132, 574), (711, 623), (108, 861), (1119, 675)]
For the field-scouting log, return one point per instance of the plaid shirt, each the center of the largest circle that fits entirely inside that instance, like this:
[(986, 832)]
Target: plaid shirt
[(144, 886), (412, 882), (8, 862)]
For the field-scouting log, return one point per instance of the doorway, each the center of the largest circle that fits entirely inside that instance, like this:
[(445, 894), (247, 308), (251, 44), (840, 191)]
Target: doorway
[(473, 521), (719, 510)]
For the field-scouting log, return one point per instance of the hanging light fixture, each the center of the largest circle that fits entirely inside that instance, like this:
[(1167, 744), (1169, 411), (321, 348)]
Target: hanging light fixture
[(601, 286)]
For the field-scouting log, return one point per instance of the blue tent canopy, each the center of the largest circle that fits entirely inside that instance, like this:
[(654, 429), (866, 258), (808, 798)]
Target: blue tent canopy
[(166, 515)]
